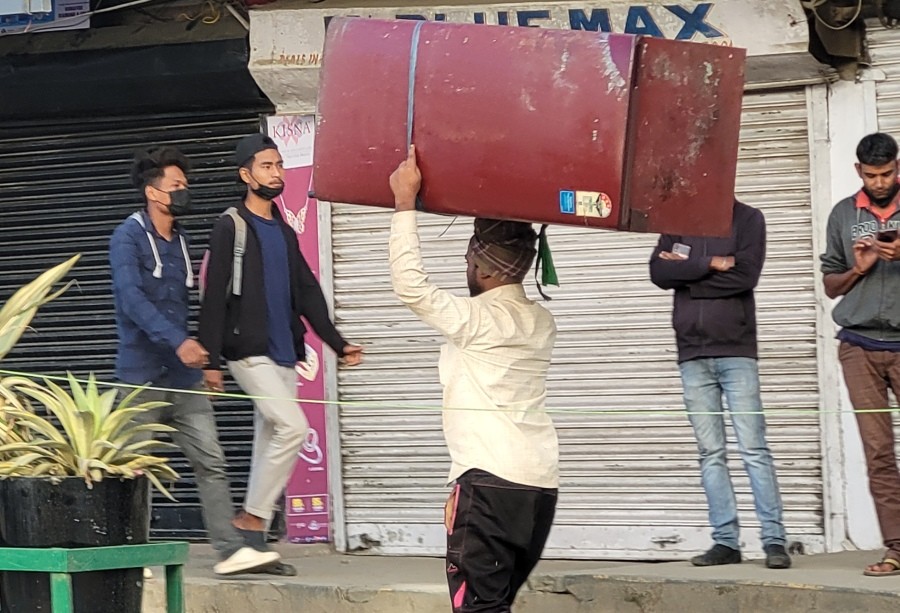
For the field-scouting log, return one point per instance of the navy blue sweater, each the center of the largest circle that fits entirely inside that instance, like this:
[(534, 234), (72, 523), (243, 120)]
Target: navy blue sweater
[(236, 327)]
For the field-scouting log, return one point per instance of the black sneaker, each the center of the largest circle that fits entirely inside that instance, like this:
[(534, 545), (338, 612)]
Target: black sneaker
[(777, 557), (718, 555)]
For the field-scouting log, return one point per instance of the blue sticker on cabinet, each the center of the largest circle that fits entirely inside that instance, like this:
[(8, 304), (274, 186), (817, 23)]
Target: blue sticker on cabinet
[(567, 202)]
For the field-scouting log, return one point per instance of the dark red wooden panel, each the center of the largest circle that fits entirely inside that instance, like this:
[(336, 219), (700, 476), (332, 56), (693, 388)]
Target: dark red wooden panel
[(505, 118), (686, 109), (539, 125)]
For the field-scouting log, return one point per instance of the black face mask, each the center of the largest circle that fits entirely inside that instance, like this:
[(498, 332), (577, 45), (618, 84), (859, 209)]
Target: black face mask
[(264, 191), (887, 199), (268, 193), (180, 201)]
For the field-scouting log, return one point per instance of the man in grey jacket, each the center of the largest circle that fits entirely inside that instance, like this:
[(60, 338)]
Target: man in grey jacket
[(861, 265)]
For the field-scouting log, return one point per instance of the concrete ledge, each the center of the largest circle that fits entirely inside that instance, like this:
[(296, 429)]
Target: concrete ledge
[(331, 583), (603, 593)]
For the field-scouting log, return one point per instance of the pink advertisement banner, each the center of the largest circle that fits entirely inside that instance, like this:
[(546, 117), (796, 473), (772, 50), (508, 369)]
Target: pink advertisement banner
[(307, 508)]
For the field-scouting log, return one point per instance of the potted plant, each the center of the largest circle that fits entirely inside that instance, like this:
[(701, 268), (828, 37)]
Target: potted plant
[(75, 471)]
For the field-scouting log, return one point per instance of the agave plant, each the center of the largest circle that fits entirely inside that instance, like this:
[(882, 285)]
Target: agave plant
[(19, 310), (95, 436)]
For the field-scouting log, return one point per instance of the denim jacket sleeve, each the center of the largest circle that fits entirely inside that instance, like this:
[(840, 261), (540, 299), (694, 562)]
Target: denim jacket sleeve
[(125, 260)]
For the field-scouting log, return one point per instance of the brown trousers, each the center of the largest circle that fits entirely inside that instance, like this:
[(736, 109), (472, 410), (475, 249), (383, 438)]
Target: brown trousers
[(868, 375)]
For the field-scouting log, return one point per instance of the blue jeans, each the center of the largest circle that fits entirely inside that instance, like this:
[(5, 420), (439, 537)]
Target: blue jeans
[(705, 381)]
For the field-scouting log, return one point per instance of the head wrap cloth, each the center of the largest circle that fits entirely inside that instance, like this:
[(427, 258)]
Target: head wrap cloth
[(507, 249)]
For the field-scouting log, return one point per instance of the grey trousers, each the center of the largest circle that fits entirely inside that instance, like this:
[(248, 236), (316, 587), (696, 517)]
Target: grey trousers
[(195, 433), (280, 428)]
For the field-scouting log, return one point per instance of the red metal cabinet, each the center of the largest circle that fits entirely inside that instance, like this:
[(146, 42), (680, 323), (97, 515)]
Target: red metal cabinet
[(548, 126)]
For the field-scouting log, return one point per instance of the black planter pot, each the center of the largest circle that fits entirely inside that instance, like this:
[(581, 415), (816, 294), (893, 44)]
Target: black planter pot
[(35, 512)]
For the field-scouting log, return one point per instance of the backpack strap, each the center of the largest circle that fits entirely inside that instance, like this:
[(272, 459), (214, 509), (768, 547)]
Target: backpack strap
[(240, 245)]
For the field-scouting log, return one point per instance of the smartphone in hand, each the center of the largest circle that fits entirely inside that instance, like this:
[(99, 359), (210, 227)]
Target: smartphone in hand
[(886, 236), (681, 250)]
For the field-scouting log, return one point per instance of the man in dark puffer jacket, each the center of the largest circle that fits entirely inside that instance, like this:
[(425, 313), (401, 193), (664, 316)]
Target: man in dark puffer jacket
[(715, 327)]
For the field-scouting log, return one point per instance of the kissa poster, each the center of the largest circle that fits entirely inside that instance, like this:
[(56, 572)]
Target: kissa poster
[(306, 505)]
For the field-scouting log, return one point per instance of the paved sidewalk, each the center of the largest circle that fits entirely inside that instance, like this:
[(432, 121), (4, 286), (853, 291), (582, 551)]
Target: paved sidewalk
[(333, 583)]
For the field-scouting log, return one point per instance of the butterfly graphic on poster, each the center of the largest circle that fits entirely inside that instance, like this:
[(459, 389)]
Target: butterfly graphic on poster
[(297, 221), (309, 368)]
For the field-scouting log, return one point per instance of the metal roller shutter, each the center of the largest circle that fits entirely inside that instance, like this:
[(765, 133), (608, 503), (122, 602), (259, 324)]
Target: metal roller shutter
[(64, 187), (884, 47), (630, 480)]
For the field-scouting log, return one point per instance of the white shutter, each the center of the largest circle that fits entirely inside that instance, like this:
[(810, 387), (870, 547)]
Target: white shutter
[(884, 47), (630, 477)]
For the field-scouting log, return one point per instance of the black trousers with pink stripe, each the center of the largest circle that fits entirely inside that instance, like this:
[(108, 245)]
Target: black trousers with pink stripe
[(498, 530)]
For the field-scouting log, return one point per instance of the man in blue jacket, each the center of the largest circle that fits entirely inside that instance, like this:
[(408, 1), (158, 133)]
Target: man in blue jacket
[(152, 274), (715, 328)]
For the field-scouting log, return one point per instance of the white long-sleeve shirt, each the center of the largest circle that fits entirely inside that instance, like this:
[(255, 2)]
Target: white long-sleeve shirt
[(493, 368)]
